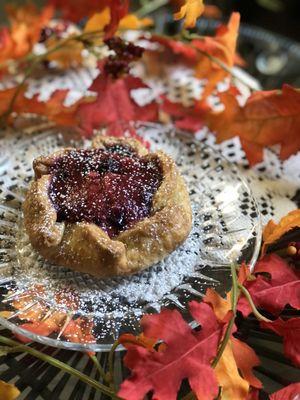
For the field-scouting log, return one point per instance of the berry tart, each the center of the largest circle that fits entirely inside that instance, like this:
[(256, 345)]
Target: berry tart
[(112, 209)]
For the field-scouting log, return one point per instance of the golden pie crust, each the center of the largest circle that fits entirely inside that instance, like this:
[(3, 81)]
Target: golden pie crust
[(85, 247)]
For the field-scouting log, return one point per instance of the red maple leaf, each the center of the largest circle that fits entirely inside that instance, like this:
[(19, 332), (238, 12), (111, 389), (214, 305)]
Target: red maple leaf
[(267, 118), (186, 118), (187, 354), (290, 392), (114, 104), (272, 294), (290, 331)]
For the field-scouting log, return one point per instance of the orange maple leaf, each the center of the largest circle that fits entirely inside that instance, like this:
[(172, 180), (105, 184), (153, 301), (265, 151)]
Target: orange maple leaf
[(128, 339), (267, 118), (190, 10), (26, 24), (246, 359), (228, 377), (98, 21), (238, 356), (131, 21), (69, 55), (101, 20), (273, 232), (221, 47)]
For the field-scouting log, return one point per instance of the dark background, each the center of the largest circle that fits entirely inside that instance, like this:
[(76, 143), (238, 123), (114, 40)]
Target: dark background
[(283, 19)]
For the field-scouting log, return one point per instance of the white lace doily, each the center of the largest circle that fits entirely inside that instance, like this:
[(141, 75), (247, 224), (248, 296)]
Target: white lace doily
[(274, 183)]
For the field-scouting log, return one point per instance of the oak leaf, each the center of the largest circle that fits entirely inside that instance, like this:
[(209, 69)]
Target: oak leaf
[(8, 391), (53, 109), (221, 47), (114, 105), (290, 331), (267, 118), (190, 11), (187, 354), (273, 232), (290, 392), (274, 293)]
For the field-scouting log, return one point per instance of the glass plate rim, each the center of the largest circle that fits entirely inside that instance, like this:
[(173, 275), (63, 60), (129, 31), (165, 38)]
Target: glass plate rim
[(84, 347)]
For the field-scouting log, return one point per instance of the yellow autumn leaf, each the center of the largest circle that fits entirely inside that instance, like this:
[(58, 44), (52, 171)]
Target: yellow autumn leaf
[(234, 369), (228, 377), (190, 11), (8, 391), (273, 232), (131, 21), (66, 56), (98, 21)]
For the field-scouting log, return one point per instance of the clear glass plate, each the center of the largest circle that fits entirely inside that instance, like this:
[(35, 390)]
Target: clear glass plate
[(76, 311)]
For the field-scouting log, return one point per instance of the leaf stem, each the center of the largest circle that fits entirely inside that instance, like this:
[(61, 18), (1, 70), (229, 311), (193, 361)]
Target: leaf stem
[(255, 311), (150, 7), (99, 368), (111, 356), (62, 366), (234, 299)]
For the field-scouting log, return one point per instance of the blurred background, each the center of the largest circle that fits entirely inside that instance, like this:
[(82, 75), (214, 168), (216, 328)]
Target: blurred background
[(269, 40)]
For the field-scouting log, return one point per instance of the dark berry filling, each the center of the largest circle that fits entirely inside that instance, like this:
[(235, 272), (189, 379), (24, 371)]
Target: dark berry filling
[(112, 188)]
